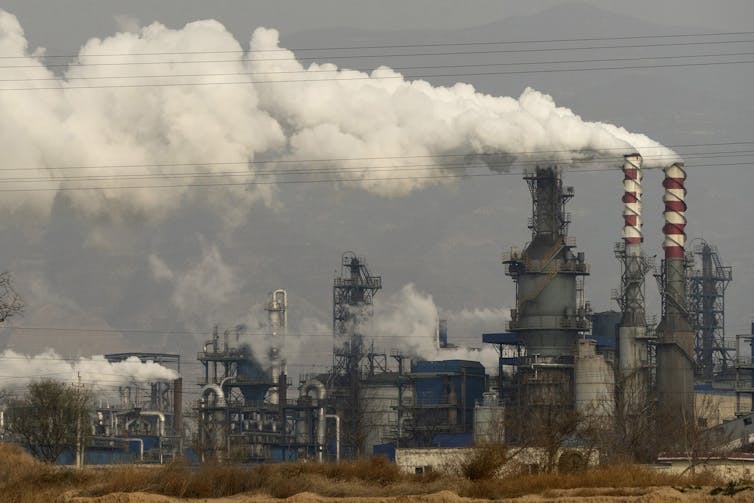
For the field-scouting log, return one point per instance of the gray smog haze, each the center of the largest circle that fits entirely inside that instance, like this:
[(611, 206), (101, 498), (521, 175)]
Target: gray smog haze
[(157, 276)]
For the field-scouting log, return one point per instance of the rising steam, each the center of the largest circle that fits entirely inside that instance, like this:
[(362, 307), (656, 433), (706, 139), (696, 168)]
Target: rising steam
[(141, 137), (94, 371), (407, 321)]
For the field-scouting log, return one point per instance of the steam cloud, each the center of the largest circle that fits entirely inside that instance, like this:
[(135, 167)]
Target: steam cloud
[(143, 132), (94, 371), (407, 321)]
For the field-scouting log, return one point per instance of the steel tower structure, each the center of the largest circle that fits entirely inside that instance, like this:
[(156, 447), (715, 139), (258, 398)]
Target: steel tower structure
[(707, 287), (550, 309), (353, 293)]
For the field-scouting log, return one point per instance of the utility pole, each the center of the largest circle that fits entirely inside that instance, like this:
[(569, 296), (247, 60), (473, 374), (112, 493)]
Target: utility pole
[(79, 432)]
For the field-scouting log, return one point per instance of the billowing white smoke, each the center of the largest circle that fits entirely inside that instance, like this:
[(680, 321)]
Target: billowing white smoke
[(206, 293), (407, 321), (148, 129), (93, 372)]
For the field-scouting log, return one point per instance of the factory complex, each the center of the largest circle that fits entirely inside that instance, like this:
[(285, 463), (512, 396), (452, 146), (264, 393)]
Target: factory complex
[(581, 386)]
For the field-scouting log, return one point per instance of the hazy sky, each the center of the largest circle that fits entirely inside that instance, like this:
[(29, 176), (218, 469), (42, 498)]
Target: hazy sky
[(154, 271)]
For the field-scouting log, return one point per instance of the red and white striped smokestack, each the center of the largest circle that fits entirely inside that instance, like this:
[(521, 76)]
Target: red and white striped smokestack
[(632, 176), (675, 211)]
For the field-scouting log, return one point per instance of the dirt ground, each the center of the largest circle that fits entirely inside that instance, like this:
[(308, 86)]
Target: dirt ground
[(591, 495)]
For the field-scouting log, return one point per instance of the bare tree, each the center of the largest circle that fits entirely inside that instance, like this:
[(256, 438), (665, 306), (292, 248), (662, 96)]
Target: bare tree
[(50, 418), (10, 301), (546, 427)]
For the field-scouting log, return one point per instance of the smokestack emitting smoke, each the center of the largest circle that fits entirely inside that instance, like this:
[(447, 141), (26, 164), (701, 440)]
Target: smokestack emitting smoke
[(94, 371), (632, 235), (136, 126), (633, 352)]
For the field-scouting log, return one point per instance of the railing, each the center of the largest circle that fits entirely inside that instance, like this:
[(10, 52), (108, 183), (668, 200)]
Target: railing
[(580, 323), (369, 282)]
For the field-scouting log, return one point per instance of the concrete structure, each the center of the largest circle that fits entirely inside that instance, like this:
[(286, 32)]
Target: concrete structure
[(715, 406), (526, 460), (380, 395), (489, 420), (594, 381), (730, 467)]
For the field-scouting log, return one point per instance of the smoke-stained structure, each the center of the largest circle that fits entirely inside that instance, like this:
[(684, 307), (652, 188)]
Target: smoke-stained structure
[(550, 309), (675, 344)]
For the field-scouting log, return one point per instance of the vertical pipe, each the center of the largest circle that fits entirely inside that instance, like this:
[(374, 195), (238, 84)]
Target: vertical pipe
[(337, 435), (751, 343), (178, 406), (277, 310)]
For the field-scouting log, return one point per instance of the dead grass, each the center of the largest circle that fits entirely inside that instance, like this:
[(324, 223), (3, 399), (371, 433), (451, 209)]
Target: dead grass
[(24, 480), (19, 472), (616, 480)]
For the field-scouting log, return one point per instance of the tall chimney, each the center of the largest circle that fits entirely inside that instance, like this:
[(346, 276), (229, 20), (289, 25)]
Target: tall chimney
[(277, 310), (675, 346), (675, 211), (633, 355)]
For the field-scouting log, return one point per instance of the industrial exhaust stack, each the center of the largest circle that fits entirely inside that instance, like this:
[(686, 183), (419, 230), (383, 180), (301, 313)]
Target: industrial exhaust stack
[(675, 347), (633, 352), (277, 310)]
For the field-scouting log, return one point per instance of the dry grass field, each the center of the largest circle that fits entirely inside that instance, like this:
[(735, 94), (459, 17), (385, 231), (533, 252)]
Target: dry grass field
[(22, 479)]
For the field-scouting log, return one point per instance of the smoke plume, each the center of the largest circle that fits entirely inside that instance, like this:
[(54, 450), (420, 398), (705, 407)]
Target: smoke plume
[(93, 372), (127, 124), (407, 321)]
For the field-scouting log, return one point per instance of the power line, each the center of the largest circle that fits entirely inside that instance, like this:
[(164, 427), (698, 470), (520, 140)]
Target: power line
[(375, 78), (337, 70), (348, 169), (398, 46), (392, 157), (415, 54), (324, 180)]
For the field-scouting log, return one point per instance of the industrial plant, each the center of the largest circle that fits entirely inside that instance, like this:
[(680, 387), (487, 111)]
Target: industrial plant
[(558, 361)]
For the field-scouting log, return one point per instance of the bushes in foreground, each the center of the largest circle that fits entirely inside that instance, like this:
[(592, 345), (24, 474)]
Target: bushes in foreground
[(23, 479)]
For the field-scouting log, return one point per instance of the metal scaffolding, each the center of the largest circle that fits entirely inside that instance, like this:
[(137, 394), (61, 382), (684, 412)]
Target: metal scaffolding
[(707, 285)]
